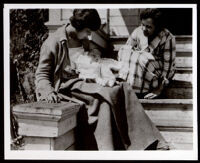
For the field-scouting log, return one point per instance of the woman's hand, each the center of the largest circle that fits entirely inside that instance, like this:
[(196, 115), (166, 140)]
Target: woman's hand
[(53, 98), (155, 93), (151, 95)]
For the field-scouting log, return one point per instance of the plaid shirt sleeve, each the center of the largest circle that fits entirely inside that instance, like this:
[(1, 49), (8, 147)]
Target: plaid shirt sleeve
[(168, 56)]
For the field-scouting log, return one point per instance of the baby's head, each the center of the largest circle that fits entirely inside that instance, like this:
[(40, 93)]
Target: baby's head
[(95, 54)]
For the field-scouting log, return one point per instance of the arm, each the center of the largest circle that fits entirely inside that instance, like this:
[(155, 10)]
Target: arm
[(169, 56), (168, 61), (44, 71)]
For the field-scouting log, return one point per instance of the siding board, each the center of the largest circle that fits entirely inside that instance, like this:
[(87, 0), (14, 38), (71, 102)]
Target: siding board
[(119, 12), (123, 20)]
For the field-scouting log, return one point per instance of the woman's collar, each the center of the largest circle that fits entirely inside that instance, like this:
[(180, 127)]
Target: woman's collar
[(63, 31)]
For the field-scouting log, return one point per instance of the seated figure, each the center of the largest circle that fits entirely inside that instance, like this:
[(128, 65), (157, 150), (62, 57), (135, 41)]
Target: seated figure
[(109, 118), (148, 57)]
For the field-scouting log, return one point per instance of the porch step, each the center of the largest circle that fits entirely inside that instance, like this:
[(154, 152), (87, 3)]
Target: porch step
[(174, 119), (181, 87), (183, 50), (169, 112), (183, 44), (174, 92), (180, 51), (179, 140), (181, 39), (182, 70)]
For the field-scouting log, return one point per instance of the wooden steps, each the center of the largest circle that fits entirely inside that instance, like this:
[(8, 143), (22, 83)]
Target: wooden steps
[(174, 119), (183, 48), (179, 111), (173, 112)]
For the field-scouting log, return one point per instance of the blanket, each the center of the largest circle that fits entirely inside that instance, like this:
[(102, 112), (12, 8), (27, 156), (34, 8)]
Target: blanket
[(111, 118)]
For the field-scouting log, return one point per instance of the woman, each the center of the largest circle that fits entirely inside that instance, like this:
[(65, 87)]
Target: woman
[(109, 118), (149, 55)]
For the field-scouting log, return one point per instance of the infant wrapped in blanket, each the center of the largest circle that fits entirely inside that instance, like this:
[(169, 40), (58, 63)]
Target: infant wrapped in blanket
[(91, 66)]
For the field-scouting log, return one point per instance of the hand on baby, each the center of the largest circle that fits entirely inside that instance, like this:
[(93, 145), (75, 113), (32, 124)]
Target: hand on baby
[(105, 82)]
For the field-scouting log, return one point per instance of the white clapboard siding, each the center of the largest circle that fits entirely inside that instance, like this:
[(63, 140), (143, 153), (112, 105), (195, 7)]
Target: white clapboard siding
[(67, 13), (120, 12), (59, 17), (120, 30), (123, 21)]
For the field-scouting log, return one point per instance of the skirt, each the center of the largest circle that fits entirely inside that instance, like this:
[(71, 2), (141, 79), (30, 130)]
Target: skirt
[(111, 118)]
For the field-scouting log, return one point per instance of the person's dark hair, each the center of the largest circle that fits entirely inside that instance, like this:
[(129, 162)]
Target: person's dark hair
[(85, 18), (153, 13)]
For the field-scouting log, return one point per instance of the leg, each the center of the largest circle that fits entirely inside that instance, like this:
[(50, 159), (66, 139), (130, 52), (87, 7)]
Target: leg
[(142, 131), (103, 132)]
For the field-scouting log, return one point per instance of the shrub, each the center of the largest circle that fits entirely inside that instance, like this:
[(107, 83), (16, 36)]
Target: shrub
[(27, 33)]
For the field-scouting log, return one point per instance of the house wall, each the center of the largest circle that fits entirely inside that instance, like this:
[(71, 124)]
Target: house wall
[(118, 21), (123, 21), (58, 17)]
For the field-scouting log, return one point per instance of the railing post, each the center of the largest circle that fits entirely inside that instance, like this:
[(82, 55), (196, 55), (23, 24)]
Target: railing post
[(47, 126)]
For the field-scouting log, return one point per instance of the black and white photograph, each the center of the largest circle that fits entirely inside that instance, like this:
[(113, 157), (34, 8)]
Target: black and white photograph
[(100, 81)]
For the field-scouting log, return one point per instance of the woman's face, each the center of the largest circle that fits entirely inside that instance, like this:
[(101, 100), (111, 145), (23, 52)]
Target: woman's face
[(148, 27), (83, 34)]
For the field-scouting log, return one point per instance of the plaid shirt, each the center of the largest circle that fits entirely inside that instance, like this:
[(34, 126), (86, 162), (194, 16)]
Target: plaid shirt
[(145, 65)]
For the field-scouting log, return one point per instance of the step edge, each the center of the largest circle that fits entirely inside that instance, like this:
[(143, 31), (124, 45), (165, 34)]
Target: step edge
[(166, 101), (126, 36)]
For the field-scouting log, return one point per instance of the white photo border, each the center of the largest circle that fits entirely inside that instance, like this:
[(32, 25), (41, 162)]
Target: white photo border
[(95, 155)]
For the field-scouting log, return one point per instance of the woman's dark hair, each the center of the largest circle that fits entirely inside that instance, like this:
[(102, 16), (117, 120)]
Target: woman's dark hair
[(85, 18), (153, 13)]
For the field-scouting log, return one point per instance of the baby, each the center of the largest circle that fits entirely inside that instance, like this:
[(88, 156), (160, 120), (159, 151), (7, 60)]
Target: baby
[(91, 66)]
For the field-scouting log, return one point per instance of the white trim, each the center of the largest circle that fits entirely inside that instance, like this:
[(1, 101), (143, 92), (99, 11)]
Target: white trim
[(98, 6)]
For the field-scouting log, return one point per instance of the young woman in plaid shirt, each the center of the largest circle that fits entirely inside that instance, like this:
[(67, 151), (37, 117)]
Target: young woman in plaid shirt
[(148, 56)]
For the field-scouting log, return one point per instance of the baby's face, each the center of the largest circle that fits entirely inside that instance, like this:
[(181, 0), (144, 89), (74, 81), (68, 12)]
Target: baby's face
[(94, 56)]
